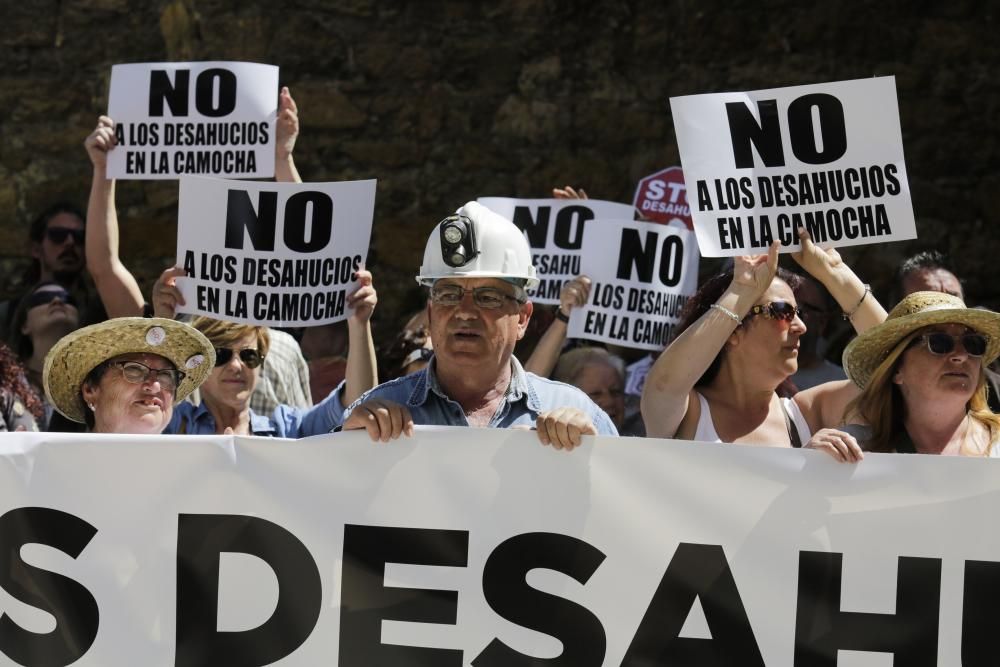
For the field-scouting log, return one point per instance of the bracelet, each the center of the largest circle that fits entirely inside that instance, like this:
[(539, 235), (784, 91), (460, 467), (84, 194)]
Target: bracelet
[(561, 316), (728, 313), (868, 290)]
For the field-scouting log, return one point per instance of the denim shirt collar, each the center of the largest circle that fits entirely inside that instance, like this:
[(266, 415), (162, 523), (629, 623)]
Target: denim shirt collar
[(519, 388), (259, 424)]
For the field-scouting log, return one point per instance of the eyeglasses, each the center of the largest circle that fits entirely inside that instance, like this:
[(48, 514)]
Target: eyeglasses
[(489, 298), (775, 310), (44, 296), (58, 235), (941, 343), (137, 373), (252, 358)]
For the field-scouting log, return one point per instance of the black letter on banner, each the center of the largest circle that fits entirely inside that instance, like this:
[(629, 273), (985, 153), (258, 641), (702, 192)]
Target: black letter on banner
[(201, 539), (564, 225), (671, 261), (537, 231), (802, 134), (321, 224), (821, 628), (366, 601), (696, 571), (766, 137), (980, 602), (633, 254), (74, 608), (260, 225), (174, 92), (509, 595), (204, 92)]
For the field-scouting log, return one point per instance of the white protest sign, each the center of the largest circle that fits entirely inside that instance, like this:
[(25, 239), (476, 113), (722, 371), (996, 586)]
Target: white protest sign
[(461, 547), (642, 274), (207, 118), (554, 229), (278, 254), (761, 165)]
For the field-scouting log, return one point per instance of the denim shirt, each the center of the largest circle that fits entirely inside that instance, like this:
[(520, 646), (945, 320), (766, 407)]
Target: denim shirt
[(284, 422), (527, 396)]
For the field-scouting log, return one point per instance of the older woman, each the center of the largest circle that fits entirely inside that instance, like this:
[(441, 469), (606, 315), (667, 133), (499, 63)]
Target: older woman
[(600, 375), (716, 381), (922, 380), (126, 375)]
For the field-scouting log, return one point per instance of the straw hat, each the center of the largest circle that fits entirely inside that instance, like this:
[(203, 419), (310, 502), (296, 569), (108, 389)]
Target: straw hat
[(920, 309), (76, 354)]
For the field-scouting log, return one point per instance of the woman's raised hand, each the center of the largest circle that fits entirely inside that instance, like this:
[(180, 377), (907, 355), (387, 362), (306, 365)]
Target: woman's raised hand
[(756, 271), (814, 259)]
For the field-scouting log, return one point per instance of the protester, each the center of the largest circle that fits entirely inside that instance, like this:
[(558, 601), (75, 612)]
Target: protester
[(926, 271), (125, 375), (739, 340), (923, 389), (20, 406), (477, 265), (818, 309), (600, 375), (546, 353)]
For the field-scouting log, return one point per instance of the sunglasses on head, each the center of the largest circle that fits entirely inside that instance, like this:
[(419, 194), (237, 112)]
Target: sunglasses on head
[(775, 310), (250, 357), (940, 343), (58, 235), (44, 296)]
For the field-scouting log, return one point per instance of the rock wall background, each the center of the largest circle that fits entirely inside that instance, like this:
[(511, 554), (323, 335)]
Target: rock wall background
[(446, 101)]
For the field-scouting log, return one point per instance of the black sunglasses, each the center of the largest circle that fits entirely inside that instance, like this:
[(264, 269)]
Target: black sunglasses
[(248, 356), (58, 235), (941, 343), (44, 296), (775, 310)]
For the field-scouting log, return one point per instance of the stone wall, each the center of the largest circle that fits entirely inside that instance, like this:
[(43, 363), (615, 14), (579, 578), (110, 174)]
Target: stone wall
[(447, 101)]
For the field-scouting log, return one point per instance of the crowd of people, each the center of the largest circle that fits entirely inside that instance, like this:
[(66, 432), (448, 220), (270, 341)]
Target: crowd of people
[(86, 350)]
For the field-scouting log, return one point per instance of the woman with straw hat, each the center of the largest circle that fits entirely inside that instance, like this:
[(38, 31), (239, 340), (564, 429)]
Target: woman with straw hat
[(922, 380), (126, 374)]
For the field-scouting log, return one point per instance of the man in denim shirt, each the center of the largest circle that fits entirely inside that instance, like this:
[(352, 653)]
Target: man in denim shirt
[(478, 266)]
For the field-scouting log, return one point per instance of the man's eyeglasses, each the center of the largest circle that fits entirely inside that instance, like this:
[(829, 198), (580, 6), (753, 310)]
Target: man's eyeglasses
[(44, 296), (58, 235), (941, 343), (250, 357), (775, 310), (489, 298), (138, 373)]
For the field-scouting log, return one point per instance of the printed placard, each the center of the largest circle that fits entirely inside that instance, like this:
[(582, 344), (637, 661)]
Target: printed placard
[(761, 165), (280, 254), (642, 274), (206, 118), (554, 229), (662, 197)]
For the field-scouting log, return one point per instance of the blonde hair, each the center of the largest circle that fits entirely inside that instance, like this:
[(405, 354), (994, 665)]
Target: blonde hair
[(880, 404), (225, 334)]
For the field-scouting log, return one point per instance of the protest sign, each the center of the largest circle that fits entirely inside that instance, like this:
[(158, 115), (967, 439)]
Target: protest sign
[(827, 158), (554, 229), (642, 274), (207, 118), (662, 197), (279, 254), (460, 547)]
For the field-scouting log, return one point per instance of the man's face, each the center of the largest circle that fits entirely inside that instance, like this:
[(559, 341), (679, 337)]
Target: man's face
[(59, 253), (932, 280), (474, 335)]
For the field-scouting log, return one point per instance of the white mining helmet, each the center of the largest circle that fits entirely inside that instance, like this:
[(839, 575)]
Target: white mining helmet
[(477, 243)]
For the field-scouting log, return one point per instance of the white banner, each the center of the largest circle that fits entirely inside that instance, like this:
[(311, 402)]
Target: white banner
[(642, 275), (282, 254), (760, 165), (460, 547), (208, 118), (554, 229)]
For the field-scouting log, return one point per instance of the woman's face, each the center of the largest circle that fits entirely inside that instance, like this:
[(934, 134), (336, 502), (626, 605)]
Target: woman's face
[(771, 341), (50, 307), (923, 376), (232, 383), (603, 383), (124, 406)]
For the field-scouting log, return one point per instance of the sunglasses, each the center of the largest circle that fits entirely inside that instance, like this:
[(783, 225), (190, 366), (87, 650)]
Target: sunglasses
[(775, 310), (489, 298), (58, 235), (250, 357), (942, 343), (137, 373), (42, 297)]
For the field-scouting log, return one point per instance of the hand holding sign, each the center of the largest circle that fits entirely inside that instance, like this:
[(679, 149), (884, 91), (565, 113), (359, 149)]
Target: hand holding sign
[(166, 296), (754, 273), (362, 300), (100, 141)]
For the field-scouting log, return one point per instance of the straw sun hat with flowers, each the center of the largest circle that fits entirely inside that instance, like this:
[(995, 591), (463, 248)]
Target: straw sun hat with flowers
[(75, 355), (916, 311)]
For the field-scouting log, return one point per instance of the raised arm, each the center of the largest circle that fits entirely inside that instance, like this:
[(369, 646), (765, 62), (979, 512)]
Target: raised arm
[(284, 141), (362, 370), (546, 353), (669, 384), (116, 285)]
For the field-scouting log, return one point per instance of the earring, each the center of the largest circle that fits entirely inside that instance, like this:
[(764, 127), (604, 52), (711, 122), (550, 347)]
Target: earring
[(91, 406)]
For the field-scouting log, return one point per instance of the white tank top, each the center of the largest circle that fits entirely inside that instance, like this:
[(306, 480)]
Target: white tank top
[(705, 431)]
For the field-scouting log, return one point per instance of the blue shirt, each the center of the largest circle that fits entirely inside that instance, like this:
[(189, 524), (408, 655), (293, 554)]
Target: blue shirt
[(284, 422), (526, 397)]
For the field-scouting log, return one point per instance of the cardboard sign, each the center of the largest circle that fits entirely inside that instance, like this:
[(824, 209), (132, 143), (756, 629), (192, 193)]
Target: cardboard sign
[(279, 254), (554, 229), (827, 158), (642, 274), (662, 197), (208, 118)]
